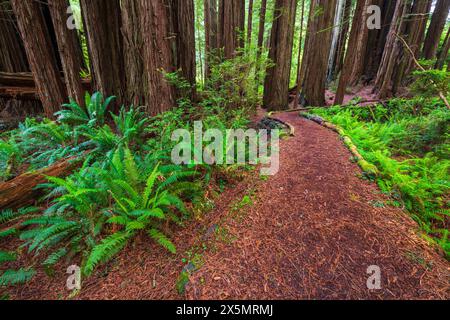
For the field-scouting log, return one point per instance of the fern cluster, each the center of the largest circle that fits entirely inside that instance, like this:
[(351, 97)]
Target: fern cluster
[(409, 144)]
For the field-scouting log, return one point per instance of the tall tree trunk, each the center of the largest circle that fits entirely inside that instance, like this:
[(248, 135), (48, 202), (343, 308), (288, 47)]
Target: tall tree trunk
[(358, 64), (231, 26), (184, 31), (157, 54), (337, 30), (309, 30), (319, 45), (250, 23), (132, 47), (102, 22), (354, 49), (444, 52), (416, 17), (276, 86), (342, 40), (377, 39), (384, 81), (261, 31), (437, 25), (299, 59), (69, 50), (40, 56), (211, 30), (13, 57)]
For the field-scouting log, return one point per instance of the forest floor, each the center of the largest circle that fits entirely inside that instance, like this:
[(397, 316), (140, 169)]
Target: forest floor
[(309, 232)]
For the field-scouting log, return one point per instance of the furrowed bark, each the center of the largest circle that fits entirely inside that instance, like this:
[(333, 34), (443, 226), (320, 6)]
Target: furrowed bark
[(40, 55), (69, 50), (276, 85)]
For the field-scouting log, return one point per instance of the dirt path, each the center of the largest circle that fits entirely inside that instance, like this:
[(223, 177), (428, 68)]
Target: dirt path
[(311, 232), (314, 230)]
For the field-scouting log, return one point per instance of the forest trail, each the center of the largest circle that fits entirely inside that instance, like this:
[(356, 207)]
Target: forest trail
[(313, 231)]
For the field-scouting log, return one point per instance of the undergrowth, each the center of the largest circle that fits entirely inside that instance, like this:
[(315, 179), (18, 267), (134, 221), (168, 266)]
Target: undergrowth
[(127, 185), (408, 141)]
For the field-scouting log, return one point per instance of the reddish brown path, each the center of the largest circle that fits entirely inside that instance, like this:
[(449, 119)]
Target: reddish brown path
[(311, 233), (314, 230)]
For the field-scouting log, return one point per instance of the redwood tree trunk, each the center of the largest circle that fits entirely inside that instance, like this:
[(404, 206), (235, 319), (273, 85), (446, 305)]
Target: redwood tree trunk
[(12, 53), (157, 54), (384, 81), (299, 59), (276, 86), (413, 33), (40, 55), (261, 31), (319, 43), (342, 41), (231, 26), (132, 47), (250, 22), (69, 50), (435, 30), (102, 22), (377, 40), (211, 30), (184, 50), (444, 52), (358, 25)]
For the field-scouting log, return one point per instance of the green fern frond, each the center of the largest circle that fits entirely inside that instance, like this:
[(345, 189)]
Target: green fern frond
[(105, 251), (162, 240), (13, 277)]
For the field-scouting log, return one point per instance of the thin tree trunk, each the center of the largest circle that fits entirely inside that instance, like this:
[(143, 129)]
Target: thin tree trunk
[(297, 88), (309, 31), (319, 48), (342, 41), (250, 23), (444, 52), (69, 50), (437, 25), (102, 22), (261, 31), (40, 56), (211, 30), (276, 86), (337, 30)]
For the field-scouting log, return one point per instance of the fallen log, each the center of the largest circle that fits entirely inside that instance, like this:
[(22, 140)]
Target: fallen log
[(21, 191), (21, 93), (25, 79)]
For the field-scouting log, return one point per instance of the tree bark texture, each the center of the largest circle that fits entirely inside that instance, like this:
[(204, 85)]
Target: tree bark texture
[(437, 25), (40, 56), (69, 50), (319, 44), (102, 22), (276, 86)]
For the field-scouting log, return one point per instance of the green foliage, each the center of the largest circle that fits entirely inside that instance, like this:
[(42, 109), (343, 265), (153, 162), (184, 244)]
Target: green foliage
[(93, 115), (127, 185), (430, 82)]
